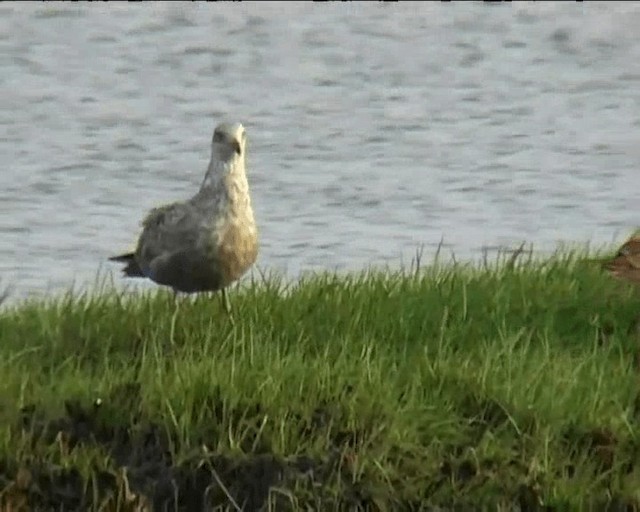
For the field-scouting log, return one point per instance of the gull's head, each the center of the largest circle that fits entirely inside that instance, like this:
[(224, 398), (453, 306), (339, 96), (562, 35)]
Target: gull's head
[(229, 142)]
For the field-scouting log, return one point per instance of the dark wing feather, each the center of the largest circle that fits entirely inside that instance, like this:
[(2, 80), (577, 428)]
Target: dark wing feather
[(131, 269)]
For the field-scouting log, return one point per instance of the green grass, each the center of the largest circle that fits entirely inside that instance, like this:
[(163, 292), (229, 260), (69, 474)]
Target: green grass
[(495, 385)]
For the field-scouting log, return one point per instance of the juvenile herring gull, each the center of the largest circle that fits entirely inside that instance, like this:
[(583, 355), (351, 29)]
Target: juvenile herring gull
[(208, 242), (625, 264)]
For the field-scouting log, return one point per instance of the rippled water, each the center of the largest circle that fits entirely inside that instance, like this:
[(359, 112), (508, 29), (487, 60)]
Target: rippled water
[(374, 128)]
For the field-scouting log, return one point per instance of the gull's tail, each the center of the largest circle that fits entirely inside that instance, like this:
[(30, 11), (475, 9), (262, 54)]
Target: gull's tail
[(131, 269)]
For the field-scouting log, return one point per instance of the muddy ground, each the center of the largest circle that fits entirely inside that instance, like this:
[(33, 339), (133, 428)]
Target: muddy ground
[(144, 476)]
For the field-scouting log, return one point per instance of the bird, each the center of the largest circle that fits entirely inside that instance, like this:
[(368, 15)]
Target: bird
[(209, 241), (625, 265)]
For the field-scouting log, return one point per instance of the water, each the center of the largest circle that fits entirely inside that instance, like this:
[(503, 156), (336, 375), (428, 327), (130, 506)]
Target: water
[(374, 128)]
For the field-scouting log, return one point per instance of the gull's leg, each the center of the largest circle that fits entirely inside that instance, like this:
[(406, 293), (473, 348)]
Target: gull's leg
[(174, 317), (225, 301), (226, 304)]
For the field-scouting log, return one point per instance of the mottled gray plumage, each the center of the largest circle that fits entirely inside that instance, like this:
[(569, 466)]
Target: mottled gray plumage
[(209, 241)]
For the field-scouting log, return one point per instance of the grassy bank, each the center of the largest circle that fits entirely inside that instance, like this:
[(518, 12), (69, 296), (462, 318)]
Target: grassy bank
[(499, 386)]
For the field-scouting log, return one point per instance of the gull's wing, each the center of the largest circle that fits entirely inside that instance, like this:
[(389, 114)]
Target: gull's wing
[(187, 271), (176, 249), (166, 230)]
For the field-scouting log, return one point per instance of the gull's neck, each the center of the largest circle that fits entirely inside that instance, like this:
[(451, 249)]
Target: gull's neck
[(216, 172), (226, 181)]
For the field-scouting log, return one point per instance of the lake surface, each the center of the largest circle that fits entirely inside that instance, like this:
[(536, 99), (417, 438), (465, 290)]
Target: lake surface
[(374, 129)]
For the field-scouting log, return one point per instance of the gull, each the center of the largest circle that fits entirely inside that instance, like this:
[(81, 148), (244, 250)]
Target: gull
[(625, 264), (206, 243)]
